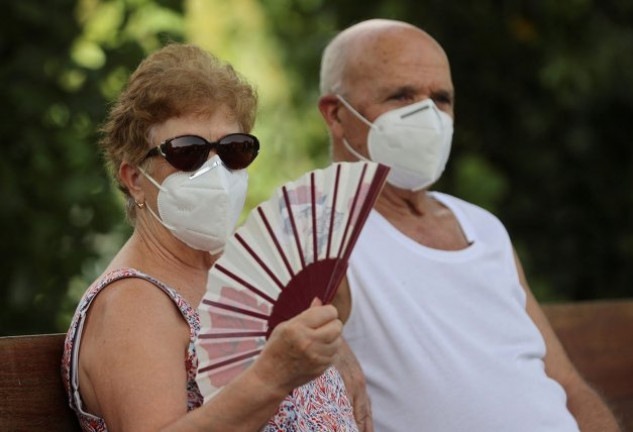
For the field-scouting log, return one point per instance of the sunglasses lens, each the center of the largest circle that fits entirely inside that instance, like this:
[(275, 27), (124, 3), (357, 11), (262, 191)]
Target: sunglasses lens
[(237, 150), (186, 153), (190, 152)]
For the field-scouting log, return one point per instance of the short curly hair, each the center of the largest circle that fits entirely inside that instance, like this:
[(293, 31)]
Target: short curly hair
[(175, 81)]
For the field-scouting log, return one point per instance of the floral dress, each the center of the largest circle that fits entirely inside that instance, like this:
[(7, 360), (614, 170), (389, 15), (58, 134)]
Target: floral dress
[(318, 406)]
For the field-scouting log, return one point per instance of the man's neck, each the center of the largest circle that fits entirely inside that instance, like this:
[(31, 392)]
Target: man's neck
[(422, 218), (397, 203)]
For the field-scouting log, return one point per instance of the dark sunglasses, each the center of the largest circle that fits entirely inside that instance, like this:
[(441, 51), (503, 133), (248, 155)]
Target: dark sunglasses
[(190, 152)]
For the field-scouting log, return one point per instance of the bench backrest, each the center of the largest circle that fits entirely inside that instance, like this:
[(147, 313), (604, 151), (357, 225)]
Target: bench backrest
[(32, 397), (597, 335)]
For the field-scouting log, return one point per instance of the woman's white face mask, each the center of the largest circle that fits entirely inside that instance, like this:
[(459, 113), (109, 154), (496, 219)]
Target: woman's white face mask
[(201, 208), (414, 141)]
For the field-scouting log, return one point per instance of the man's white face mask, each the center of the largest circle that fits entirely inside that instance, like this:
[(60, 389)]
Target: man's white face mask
[(414, 141), (201, 208)]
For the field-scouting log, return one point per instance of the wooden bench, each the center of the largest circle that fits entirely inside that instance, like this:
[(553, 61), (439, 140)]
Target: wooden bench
[(32, 397), (598, 336)]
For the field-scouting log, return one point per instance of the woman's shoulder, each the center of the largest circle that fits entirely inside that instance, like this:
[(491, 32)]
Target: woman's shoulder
[(129, 287), (125, 307), (133, 301)]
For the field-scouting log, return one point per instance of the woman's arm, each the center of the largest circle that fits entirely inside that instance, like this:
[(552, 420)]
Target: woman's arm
[(132, 369), (298, 351)]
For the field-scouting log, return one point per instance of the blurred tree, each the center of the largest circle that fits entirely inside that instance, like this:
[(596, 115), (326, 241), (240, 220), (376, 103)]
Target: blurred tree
[(544, 94), (62, 60), (237, 31)]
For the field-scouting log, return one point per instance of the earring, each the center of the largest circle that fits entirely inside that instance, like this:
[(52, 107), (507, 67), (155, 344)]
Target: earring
[(139, 204)]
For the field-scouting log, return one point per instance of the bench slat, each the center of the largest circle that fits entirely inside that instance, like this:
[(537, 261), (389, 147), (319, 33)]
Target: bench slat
[(32, 396), (598, 338)]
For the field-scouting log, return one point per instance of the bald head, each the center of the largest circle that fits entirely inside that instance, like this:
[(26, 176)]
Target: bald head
[(377, 66), (360, 44)]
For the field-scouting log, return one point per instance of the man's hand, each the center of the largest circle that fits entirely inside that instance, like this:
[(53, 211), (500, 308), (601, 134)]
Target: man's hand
[(354, 379)]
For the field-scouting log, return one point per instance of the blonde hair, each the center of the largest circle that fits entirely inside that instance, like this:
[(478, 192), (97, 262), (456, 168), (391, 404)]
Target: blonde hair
[(175, 81)]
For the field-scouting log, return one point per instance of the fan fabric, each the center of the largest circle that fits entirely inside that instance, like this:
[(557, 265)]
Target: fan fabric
[(292, 248)]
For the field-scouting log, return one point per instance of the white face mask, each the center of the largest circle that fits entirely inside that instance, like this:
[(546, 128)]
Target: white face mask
[(414, 141), (201, 208)]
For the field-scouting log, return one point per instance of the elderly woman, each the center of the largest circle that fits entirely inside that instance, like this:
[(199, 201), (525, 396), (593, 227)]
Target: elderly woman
[(178, 143)]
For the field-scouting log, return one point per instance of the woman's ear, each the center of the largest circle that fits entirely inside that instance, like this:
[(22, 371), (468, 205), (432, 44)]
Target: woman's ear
[(131, 178)]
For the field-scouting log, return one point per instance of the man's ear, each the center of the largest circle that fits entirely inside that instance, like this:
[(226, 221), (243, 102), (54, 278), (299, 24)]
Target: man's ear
[(329, 106), (131, 178)]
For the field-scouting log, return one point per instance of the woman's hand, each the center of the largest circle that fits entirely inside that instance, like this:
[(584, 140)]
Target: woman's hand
[(301, 348)]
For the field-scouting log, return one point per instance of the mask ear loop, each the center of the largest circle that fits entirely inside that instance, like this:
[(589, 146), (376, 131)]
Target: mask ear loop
[(356, 113), (354, 152), (361, 118), (151, 179), (160, 188)]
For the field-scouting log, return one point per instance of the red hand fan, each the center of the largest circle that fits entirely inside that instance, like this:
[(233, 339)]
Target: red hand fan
[(292, 248)]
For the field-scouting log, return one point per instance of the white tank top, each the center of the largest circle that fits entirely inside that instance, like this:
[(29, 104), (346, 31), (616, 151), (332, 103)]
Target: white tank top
[(443, 336)]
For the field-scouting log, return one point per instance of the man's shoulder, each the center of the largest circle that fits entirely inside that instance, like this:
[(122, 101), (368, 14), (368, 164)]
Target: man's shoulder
[(473, 212), (462, 204)]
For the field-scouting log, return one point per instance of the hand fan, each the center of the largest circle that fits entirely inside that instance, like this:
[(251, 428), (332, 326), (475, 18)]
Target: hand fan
[(292, 248)]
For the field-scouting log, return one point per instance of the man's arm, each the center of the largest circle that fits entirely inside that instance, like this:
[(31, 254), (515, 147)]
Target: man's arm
[(349, 368), (590, 411), (347, 365)]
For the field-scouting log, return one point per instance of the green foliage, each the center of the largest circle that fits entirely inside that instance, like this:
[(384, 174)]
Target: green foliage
[(59, 211), (544, 97), (236, 31)]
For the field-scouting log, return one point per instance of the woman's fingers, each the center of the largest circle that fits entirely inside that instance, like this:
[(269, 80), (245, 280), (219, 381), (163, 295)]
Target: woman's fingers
[(316, 302), (303, 347), (330, 331), (317, 315)]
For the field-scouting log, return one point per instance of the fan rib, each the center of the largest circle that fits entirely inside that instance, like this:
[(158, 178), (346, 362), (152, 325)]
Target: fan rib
[(236, 309), (245, 284), (237, 334), (333, 210), (338, 271), (261, 263), (294, 226), (351, 212), (375, 185), (229, 361), (315, 255), (371, 196), (275, 241)]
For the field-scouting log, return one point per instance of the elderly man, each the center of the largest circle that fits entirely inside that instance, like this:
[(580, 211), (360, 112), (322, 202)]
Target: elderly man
[(436, 305)]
